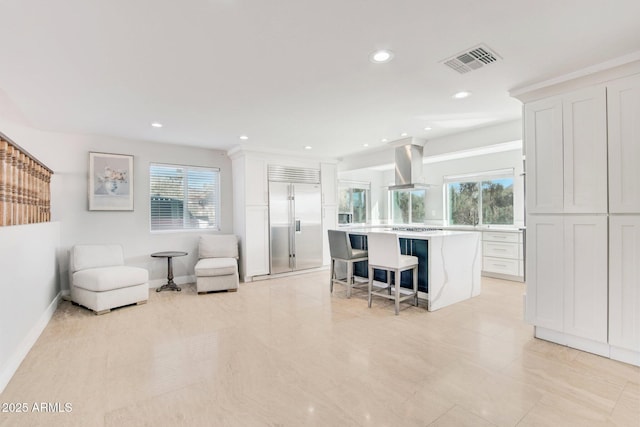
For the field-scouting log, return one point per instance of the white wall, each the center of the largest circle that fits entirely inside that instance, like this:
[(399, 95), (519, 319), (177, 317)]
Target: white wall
[(68, 156), (480, 137), (29, 289), (434, 174)]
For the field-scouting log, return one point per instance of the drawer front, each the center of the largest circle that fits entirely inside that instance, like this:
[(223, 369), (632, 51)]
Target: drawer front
[(500, 265), (501, 250), (496, 236)]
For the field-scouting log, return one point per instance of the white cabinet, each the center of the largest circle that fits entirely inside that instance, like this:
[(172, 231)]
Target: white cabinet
[(256, 186), (545, 273), (623, 103), (585, 276), (624, 283), (583, 224), (566, 152), (257, 241), (584, 121), (329, 183), (251, 213), (543, 154), (567, 275), (502, 254)]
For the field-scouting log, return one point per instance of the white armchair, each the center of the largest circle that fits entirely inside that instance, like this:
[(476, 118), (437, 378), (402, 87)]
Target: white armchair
[(100, 281), (217, 267)]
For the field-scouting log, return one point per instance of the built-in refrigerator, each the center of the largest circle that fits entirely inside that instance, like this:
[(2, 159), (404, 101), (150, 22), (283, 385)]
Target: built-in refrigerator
[(295, 220)]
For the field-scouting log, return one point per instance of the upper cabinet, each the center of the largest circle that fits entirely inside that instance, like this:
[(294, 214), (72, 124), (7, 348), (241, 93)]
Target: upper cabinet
[(543, 151), (584, 122), (256, 189), (566, 153), (329, 180), (623, 104)]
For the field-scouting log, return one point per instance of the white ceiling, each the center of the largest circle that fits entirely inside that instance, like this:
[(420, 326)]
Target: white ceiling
[(290, 73)]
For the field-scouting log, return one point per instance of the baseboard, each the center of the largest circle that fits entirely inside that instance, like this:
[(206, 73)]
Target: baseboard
[(510, 277), (179, 280), (627, 356), (29, 340)]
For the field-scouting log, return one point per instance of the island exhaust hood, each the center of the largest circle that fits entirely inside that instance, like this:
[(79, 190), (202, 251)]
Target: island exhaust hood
[(408, 164)]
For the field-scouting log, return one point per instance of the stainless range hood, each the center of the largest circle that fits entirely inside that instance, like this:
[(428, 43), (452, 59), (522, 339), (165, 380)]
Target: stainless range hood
[(408, 164)]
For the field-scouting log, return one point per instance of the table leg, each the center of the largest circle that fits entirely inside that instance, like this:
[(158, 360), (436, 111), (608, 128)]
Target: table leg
[(170, 285)]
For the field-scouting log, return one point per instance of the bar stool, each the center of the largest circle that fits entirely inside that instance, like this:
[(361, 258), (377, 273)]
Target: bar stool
[(341, 250), (384, 254)]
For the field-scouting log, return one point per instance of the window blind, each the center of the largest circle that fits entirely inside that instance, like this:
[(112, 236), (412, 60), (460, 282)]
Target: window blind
[(184, 197)]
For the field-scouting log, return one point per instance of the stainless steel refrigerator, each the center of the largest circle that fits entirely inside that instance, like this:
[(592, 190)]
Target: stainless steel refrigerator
[(295, 218)]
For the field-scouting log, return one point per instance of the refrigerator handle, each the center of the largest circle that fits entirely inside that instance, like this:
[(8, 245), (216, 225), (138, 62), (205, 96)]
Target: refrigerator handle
[(292, 237), (297, 225)]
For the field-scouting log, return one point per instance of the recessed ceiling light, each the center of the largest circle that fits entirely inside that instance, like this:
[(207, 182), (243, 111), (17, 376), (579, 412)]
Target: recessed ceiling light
[(244, 137), (381, 56), (156, 125), (461, 94), (427, 128), (404, 134), (308, 147), (365, 145), (384, 139)]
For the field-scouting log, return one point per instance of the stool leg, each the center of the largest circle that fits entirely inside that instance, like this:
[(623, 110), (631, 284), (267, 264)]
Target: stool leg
[(370, 284), (349, 276), (397, 294), (389, 282), (415, 283), (332, 274)]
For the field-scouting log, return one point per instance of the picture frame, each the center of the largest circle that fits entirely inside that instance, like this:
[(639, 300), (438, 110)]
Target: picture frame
[(110, 182)]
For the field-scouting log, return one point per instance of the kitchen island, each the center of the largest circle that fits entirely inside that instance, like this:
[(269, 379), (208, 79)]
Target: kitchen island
[(449, 262)]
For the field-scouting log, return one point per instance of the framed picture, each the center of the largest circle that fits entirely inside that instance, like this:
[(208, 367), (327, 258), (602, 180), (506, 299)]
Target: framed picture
[(110, 182)]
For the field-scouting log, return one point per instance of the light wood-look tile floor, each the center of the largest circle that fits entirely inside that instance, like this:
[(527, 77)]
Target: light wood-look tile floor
[(284, 352)]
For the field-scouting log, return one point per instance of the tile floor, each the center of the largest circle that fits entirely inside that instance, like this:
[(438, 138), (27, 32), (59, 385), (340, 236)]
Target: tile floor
[(284, 352)]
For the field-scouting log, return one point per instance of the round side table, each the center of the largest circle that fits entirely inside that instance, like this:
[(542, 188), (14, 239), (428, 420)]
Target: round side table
[(169, 255)]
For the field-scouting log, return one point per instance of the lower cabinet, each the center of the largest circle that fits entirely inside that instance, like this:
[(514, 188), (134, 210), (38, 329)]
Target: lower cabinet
[(257, 240), (502, 255), (567, 279), (624, 287)]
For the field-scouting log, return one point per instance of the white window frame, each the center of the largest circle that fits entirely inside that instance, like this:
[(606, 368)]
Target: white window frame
[(358, 185), (390, 205), (185, 171), (478, 177)]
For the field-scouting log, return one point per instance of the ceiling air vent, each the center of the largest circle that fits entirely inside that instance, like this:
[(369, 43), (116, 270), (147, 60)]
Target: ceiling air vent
[(472, 59)]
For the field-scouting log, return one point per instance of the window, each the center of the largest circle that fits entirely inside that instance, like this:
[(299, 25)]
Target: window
[(184, 197), (354, 202), (408, 206), (480, 199)]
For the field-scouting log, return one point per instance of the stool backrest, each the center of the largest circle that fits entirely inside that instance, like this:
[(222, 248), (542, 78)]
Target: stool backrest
[(384, 249), (339, 244)]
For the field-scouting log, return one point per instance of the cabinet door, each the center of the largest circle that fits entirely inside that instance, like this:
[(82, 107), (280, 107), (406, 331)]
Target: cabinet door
[(329, 222), (544, 302), (257, 241), (329, 180), (584, 119), (585, 277), (543, 150), (624, 281), (256, 181), (623, 99)]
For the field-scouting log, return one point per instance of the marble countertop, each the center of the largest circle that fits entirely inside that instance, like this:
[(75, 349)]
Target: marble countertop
[(406, 233)]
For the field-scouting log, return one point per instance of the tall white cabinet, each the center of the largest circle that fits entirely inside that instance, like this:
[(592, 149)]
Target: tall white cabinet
[(582, 154)]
